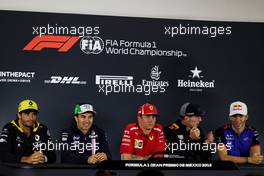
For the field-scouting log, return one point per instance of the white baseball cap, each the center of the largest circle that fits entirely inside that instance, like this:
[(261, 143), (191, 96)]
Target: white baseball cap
[(82, 108), (238, 107)]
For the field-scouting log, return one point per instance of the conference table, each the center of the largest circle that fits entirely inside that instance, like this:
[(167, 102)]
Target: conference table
[(129, 168)]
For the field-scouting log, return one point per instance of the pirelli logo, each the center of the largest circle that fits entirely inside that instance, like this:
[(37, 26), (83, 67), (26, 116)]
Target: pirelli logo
[(61, 43), (113, 80)]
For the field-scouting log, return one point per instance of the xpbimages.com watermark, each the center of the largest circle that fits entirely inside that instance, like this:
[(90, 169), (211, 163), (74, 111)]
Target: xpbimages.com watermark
[(200, 30), (145, 89), (191, 146), (116, 84), (57, 29), (81, 147), (62, 146)]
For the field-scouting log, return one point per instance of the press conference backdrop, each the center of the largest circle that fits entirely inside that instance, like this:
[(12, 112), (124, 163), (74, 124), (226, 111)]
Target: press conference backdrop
[(119, 63)]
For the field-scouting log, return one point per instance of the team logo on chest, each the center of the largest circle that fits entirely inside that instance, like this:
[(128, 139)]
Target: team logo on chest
[(151, 137), (37, 138), (93, 135), (180, 137), (76, 138), (230, 137), (138, 143), (246, 139), (18, 139)]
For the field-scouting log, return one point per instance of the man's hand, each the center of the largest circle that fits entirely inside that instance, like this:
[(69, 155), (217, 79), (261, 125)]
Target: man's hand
[(91, 159), (255, 159), (35, 158), (195, 133), (96, 158), (127, 156), (100, 156)]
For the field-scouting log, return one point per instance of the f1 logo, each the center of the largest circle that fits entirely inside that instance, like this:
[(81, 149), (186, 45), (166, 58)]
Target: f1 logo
[(62, 43)]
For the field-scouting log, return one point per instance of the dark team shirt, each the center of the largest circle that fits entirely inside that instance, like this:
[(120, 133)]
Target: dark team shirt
[(237, 145), (82, 146), (177, 134), (14, 143)]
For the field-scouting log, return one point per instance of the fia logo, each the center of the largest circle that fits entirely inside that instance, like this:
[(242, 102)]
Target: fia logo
[(155, 74), (91, 45)]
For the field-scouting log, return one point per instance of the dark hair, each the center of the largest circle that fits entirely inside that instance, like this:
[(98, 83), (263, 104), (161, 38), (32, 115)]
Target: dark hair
[(182, 117), (27, 111)]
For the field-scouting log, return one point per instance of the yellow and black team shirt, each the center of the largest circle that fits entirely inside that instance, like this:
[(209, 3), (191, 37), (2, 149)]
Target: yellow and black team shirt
[(14, 143)]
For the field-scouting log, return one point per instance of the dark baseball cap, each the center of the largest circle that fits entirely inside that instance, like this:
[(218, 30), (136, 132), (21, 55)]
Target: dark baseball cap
[(190, 109)]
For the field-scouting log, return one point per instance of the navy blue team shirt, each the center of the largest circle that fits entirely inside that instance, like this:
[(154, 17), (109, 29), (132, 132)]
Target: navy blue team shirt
[(237, 145)]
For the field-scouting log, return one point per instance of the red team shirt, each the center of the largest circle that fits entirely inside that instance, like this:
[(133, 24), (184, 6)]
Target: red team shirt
[(134, 141)]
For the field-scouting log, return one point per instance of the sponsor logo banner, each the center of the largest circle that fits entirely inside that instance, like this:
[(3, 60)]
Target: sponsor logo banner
[(16, 76), (96, 45), (113, 84), (196, 83), (64, 80)]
